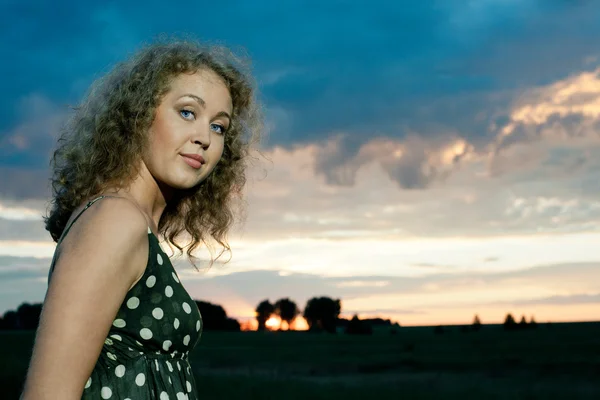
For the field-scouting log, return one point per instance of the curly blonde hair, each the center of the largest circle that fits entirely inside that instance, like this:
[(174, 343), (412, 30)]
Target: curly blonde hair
[(102, 143)]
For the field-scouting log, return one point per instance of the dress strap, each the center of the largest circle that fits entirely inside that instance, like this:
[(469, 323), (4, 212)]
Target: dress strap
[(66, 230)]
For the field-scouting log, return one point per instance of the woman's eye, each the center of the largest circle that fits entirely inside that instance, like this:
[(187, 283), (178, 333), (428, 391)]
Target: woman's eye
[(220, 128), (187, 114)]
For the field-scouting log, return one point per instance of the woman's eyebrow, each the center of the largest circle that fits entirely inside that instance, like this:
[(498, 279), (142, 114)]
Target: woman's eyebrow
[(202, 103), (198, 99)]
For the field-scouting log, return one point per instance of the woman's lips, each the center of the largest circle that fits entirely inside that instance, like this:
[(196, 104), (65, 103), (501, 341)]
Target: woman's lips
[(191, 162)]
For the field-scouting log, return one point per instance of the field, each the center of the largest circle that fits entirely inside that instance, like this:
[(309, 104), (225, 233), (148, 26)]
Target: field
[(551, 362)]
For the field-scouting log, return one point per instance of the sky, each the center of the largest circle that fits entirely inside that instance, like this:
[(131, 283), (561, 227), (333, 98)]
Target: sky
[(426, 161)]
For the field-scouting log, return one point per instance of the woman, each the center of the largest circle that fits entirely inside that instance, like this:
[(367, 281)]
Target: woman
[(159, 146)]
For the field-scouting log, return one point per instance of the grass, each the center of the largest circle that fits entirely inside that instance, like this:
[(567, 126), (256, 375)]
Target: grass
[(558, 361)]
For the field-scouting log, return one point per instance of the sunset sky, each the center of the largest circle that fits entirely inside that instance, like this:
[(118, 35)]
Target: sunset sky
[(427, 160)]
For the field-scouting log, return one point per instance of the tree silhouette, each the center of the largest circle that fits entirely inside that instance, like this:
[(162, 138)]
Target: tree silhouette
[(322, 313), (509, 322), (214, 318), (287, 310), (476, 323), (263, 312), (29, 315), (532, 323), (11, 320), (523, 323)]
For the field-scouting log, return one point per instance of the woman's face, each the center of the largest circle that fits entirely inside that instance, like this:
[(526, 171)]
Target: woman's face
[(192, 118)]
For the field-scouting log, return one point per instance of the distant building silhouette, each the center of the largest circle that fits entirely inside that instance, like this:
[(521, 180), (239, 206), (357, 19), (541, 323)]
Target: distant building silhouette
[(358, 327)]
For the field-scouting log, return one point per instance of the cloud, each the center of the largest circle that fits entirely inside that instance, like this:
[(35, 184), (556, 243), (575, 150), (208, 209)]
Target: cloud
[(553, 129), (10, 263), (565, 300), (406, 295), (21, 183), (487, 111), (572, 103), (550, 277), (420, 112), (29, 143), (25, 230), (365, 68), (413, 163), (468, 202)]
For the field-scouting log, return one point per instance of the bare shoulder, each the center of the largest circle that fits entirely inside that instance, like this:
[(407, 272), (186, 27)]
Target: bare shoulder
[(103, 253), (112, 236), (110, 218)]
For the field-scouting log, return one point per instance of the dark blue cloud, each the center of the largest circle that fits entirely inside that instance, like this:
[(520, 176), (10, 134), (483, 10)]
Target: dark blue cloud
[(366, 68)]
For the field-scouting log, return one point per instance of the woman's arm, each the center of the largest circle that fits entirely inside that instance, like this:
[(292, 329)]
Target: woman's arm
[(102, 255)]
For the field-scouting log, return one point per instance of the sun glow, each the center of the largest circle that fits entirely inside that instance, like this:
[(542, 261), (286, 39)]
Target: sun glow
[(274, 323)]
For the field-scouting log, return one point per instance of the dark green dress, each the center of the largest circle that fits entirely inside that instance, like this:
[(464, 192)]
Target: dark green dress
[(145, 355)]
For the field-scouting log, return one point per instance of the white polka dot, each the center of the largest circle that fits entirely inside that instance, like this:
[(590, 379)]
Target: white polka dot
[(167, 344), (186, 307), (178, 366), (151, 281), (175, 277), (186, 340), (115, 336), (180, 396), (157, 313), (156, 363), (176, 323), (198, 325), (133, 303), (188, 385), (108, 341), (120, 371), (106, 393), (140, 379), (119, 323), (169, 366), (170, 381), (111, 356), (159, 259), (169, 291), (164, 396), (145, 333), (88, 383)]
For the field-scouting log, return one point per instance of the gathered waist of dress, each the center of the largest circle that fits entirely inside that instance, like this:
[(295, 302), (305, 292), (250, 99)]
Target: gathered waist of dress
[(167, 356)]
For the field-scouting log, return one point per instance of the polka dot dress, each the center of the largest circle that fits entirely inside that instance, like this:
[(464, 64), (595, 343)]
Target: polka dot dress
[(145, 355)]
